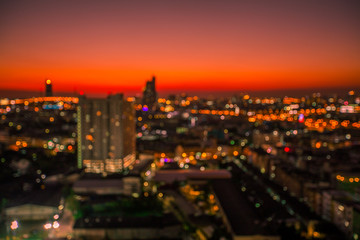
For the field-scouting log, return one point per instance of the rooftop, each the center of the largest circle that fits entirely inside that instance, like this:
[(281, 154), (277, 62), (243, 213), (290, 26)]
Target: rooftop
[(127, 222)]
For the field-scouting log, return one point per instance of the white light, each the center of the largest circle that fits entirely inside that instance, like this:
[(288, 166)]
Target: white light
[(56, 224), (56, 216), (14, 225), (47, 226)]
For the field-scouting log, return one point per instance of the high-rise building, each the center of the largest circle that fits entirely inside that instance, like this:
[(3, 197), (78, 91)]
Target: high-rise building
[(48, 88), (106, 134), (149, 93)]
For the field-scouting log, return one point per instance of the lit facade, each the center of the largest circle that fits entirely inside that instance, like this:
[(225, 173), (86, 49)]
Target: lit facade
[(106, 134)]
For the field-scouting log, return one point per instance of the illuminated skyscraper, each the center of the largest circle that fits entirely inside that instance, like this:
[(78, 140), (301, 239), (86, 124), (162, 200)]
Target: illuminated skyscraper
[(48, 88), (106, 134), (149, 94)]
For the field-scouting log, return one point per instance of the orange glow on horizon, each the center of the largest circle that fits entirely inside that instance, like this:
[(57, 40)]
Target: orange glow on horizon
[(169, 82)]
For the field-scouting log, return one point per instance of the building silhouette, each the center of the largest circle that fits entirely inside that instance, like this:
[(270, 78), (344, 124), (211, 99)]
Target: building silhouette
[(48, 88), (106, 134), (149, 94)]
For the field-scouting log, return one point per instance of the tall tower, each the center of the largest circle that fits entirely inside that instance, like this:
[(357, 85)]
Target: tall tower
[(48, 88), (106, 134), (149, 94)]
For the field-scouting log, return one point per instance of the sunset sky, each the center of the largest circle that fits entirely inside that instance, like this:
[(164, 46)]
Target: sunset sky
[(102, 46)]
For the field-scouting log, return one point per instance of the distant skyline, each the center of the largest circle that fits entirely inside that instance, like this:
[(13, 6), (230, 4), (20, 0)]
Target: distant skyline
[(342, 92), (190, 46)]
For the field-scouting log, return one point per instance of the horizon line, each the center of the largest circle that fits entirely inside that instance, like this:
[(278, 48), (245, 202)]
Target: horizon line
[(281, 92)]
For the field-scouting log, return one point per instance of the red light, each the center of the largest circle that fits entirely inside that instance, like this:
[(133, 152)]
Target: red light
[(81, 93), (301, 118), (287, 149)]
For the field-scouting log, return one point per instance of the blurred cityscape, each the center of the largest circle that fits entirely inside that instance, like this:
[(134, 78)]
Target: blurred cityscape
[(180, 167)]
